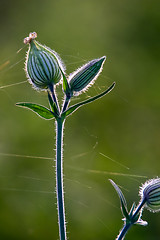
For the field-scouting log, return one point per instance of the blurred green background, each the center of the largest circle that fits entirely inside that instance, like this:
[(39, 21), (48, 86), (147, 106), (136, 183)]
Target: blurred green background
[(124, 125)]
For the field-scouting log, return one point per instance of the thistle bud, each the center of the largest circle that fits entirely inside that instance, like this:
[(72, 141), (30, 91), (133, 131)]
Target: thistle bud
[(43, 66), (150, 194), (85, 76)]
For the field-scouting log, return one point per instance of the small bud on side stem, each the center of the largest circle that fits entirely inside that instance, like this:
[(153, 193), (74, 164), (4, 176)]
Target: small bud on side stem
[(84, 77), (150, 198)]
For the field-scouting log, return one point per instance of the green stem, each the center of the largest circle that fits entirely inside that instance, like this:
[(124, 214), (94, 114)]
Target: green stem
[(132, 221), (139, 207), (124, 231), (66, 103), (51, 87), (59, 179)]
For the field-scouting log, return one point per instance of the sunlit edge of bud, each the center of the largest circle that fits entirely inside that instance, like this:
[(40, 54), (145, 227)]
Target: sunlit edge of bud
[(85, 89)]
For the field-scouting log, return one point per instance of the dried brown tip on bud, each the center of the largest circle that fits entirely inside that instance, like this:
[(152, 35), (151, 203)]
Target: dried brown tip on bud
[(30, 38)]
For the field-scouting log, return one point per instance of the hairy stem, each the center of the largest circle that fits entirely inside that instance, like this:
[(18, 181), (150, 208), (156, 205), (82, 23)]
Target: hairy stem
[(139, 207), (59, 179), (124, 231), (51, 87), (128, 225), (66, 103)]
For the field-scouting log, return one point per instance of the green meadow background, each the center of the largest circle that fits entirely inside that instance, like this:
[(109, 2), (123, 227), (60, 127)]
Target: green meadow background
[(116, 137)]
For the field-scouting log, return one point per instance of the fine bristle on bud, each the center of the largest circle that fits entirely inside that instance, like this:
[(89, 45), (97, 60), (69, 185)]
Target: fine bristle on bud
[(84, 77), (43, 66), (150, 193), (32, 36)]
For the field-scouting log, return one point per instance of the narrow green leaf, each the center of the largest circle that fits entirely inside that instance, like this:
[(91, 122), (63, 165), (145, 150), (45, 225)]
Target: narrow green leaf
[(38, 109), (76, 106), (122, 199), (132, 209), (66, 87), (52, 105)]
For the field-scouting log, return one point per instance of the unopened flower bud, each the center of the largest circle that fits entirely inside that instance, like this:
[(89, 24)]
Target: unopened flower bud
[(85, 76), (43, 66), (150, 194)]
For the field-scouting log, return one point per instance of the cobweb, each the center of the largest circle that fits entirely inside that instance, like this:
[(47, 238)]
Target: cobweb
[(91, 174)]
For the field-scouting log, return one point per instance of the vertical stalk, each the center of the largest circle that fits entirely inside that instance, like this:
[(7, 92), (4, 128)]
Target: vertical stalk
[(59, 179), (123, 231)]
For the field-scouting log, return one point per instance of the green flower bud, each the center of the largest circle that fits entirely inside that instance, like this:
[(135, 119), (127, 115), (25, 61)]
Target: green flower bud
[(84, 77), (42, 64), (150, 194)]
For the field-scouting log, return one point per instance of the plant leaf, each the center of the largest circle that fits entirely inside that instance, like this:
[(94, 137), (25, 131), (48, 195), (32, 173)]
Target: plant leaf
[(141, 222), (132, 209), (66, 87), (122, 200), (76, 106), (38, 109)]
